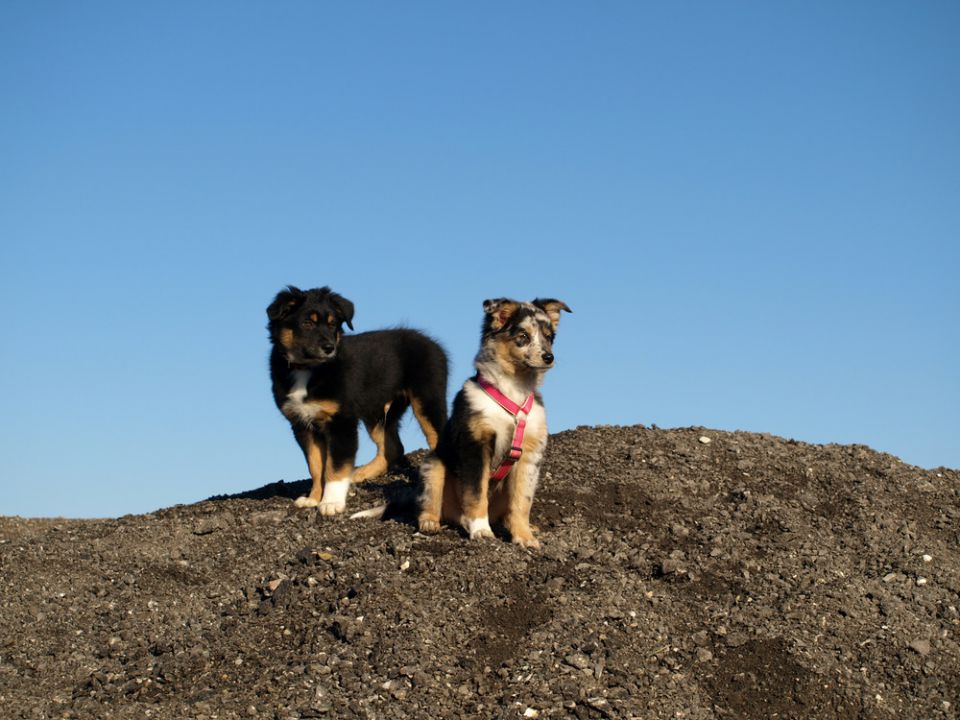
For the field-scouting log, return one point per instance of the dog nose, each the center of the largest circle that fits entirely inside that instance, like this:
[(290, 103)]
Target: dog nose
[(548, 358)]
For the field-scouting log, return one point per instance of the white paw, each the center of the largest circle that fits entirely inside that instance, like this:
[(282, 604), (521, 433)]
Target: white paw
[(329, 509), (334, 497), (305, 502), (481, 533), (477, 527)]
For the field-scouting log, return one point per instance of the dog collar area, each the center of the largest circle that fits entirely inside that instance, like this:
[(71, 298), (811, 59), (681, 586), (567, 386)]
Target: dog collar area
[(519, 413)]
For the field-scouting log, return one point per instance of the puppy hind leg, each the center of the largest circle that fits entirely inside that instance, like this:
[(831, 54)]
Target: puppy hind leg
[(431, 415), (433, 476), (377, 466), (393, 446)]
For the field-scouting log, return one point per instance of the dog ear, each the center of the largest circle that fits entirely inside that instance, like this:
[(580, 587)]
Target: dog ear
[(499, 311), (552, 308), (285, 303), (343, 307)]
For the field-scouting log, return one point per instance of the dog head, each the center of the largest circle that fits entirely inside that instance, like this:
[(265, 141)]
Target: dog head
[(307, 324), (521, 334)]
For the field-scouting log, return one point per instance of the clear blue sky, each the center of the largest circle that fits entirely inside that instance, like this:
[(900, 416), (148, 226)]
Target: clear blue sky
[(752, 208)]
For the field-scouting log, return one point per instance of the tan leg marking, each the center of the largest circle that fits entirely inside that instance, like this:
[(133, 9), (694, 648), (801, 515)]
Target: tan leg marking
[(429, 431), (433, 474), (315, 451), (377, 466), (521, 486)]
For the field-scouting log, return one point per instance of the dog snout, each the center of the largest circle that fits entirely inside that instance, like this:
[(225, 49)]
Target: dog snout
[(328, 347), (548, 358)]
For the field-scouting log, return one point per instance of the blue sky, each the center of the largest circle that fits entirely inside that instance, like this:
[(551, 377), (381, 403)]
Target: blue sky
[(752, 208)]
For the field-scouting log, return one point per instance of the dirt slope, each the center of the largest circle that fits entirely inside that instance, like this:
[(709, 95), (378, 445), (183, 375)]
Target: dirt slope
[(745, 577)]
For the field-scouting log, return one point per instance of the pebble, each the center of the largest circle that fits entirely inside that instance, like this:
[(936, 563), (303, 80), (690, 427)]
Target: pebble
[(704, 655), (927, 558), (669, 566), (921, 581), (705, 440), (577, 660), (736, 639), (920, 646)]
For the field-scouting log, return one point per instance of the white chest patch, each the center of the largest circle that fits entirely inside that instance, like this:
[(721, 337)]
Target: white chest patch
[(298, 407)]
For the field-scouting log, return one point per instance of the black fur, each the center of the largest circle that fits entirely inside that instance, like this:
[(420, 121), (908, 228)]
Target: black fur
[(359, 375)]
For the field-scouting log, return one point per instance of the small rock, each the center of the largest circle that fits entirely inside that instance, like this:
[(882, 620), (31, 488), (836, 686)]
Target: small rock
[(669, 566), (704, 655), (555, 583), (927, 558), (207, 525), (921, 581), (705, 440), (889, 577), (577, 660), (597, 703), (531, 713), (736, 639), (920, 646)]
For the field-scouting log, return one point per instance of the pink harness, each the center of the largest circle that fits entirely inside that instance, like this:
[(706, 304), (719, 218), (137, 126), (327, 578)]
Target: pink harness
[(519, 413)]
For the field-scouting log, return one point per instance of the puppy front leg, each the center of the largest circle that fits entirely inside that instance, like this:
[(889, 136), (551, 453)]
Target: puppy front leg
[(522, 486), (342, 443), (474, 488), (314, 447)]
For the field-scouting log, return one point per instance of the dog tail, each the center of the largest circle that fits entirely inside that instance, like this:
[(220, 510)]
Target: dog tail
[(374, 513)]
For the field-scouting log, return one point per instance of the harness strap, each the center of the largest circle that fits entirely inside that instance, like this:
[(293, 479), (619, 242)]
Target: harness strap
[(519, 413)]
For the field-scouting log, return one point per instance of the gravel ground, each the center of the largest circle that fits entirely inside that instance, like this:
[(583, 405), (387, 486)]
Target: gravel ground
[(684, 573)]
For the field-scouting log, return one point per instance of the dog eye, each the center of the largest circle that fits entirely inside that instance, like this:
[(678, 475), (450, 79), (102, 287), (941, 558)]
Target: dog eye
[(522, 338)]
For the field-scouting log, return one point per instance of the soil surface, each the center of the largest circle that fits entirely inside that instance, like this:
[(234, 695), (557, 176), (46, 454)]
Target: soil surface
[(684, 574)]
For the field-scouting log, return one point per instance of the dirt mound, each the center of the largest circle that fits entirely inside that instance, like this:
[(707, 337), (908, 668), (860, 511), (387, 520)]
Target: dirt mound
[(684, 574)]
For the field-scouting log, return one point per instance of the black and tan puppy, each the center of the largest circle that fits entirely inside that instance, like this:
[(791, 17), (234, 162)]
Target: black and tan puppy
[(487, 463), (325, 382)]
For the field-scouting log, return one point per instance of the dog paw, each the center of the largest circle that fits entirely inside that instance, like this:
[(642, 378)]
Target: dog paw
[(329, 509), (481, 533), (478, 527), (528, 541), (427, 525), (305, 501)]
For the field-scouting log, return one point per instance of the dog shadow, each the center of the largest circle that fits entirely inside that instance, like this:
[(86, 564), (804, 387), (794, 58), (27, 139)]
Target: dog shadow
[(398, 490)]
